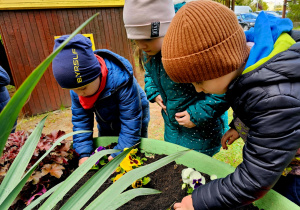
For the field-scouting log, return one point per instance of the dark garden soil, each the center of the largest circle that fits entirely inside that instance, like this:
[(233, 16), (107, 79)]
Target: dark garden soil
[(167, 180)]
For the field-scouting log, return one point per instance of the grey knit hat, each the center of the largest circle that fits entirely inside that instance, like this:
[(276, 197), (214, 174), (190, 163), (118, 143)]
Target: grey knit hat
[(146, 19)]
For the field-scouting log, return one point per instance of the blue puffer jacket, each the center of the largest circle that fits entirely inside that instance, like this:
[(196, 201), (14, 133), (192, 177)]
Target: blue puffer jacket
[(4, 95), (122, 108)]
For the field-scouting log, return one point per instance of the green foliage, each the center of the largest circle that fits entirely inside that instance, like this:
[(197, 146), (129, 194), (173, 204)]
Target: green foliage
[(294, 10), (261, 5), (278, 7), (265, 5), (62, 107), (243, 2), (51, 165)]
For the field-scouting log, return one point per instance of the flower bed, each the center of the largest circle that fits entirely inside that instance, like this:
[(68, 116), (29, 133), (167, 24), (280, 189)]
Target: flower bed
[(168, 179), (54, 168)]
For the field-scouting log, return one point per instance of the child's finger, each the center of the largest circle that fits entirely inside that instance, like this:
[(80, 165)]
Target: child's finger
[(224, 145), (162, 105), (180, 119), (231, 140), (224, 140), (180, 114)]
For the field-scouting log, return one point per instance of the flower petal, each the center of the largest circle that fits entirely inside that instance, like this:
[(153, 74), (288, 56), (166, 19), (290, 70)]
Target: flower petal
[(186, 172)]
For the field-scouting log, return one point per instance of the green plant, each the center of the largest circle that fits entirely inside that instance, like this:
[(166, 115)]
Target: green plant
[(62, 107), (53, 165), (14, 180), (294, 10)]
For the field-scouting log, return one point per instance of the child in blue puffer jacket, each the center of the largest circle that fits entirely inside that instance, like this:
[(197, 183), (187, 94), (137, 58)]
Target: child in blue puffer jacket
[(4, 95), (193, 120), (101, 83)]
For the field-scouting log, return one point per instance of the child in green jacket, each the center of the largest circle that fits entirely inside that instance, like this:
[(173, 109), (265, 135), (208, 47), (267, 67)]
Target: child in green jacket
[(193, 120)]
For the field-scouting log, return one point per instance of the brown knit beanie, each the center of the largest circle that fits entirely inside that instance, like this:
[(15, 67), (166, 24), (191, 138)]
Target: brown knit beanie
[(147, 19), (204, 42)]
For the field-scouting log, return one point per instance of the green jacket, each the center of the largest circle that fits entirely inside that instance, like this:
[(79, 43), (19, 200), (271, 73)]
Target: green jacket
[(207, 111)]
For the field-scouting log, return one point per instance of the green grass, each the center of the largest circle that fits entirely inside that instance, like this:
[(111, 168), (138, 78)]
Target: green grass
[(232, 156), (11, 88), (297, 28)]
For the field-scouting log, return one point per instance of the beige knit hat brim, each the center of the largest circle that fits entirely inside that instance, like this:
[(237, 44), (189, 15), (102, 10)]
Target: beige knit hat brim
[(147, 19), (144, 32)]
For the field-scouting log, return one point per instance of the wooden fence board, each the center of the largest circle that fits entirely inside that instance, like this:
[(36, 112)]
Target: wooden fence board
[(28, 37)]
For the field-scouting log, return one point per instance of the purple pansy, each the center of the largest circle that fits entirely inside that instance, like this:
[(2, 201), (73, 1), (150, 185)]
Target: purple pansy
[(98, 150), (197, 183)]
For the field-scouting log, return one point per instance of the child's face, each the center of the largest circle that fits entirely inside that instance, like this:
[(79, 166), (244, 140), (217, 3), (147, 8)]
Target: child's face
[(218, 85), (89, 89), (150, 46)]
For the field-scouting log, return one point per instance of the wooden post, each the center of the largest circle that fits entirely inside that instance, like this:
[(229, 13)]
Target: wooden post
[(284, 8), (227, 3), (232, 5)]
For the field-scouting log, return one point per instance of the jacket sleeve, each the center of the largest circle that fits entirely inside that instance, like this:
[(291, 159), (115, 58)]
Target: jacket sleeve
[(209, 108), (271, 145), (130, 107), (4, 77), (82, 119), (150, 88)]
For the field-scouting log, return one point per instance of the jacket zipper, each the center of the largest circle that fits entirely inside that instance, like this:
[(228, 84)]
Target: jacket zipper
[(97, 113), (131, 78)]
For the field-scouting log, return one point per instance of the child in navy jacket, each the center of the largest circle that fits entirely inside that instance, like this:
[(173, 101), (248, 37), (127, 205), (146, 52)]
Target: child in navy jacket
[(206, 46), (101, 83)]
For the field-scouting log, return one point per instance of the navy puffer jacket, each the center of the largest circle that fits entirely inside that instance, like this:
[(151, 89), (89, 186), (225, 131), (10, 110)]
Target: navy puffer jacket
[(4, 95), (267, 100), (122, 108)]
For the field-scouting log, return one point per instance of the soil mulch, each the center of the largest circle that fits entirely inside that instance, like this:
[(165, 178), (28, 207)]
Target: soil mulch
[(166, 179)]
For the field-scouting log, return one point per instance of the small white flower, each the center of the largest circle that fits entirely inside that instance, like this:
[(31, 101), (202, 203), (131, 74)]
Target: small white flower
[(213, 177), (183, 186), (185, 174)]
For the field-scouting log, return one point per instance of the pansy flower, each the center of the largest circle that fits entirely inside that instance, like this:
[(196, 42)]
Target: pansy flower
[(196, 179), (98, 150), (137, 183), (118, 177)]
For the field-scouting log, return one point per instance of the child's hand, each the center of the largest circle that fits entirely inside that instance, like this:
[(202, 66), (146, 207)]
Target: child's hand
[(186, 204), (229, 137), (82, 160), (160, 102), (184, 119), (110, 158)]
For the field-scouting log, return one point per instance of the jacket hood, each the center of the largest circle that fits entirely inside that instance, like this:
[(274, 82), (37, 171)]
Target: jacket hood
[(264, 35), (275, 55), (282, 67)]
